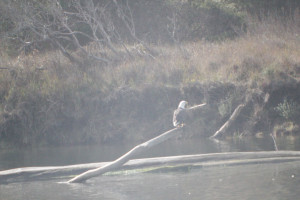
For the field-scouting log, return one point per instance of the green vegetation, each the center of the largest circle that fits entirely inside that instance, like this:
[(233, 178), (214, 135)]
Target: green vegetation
[(288, 109), (66, 78)]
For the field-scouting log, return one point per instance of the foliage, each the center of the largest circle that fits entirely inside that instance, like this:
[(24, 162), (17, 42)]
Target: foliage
[(225, 107), (288, 109), (262, 8), (47, 99), (69, 25), (210, 20)]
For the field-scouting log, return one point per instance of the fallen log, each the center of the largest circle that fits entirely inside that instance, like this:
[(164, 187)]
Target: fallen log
[(126, 157), (132, 153), (48, 172), (100, 167), (227, 124), (205, 160)]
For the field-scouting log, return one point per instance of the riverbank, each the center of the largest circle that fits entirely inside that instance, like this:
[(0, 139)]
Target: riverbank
[(47, 100)]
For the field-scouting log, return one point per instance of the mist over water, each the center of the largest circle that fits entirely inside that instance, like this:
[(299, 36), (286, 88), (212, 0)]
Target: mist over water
[(252, 181), (56, 156)]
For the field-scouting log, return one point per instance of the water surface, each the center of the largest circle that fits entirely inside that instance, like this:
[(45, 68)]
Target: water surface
[(257, 181), (53, 156), (252, 181)]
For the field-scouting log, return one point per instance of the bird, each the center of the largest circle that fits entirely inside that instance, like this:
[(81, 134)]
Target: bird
[(180, 114)]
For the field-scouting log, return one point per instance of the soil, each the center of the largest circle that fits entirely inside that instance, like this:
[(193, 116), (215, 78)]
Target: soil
[(140, 114)]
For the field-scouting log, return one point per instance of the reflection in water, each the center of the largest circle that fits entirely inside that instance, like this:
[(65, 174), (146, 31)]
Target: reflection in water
[(100, 153), (254, 181)]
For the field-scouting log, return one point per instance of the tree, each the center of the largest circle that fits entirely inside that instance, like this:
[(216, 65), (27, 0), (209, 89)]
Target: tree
[(261, 8), (69, 25)]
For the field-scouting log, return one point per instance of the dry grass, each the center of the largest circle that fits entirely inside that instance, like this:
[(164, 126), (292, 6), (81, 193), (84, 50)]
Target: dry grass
[(54, 87), (258, 56), (254, 58)]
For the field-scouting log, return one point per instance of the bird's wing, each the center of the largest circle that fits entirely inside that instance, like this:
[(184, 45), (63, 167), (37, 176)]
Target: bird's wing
[(175, 114)]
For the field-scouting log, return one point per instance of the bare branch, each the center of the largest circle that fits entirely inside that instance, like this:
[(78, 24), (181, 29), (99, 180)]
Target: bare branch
[(77, 24)]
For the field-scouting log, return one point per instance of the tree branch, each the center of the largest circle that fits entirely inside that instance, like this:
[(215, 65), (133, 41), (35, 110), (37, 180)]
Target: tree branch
[(197, 106)]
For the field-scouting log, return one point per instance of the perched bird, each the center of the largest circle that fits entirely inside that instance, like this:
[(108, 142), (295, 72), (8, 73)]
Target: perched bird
[(180, 114)]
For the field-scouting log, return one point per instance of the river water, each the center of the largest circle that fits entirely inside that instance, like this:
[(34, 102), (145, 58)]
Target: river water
[(254, 181)]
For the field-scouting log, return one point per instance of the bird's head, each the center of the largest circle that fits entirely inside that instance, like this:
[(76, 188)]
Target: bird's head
[(183, 104)]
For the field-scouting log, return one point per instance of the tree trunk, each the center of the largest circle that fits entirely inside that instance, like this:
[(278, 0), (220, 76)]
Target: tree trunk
[(132, 153), (229, 121), (126, 157)]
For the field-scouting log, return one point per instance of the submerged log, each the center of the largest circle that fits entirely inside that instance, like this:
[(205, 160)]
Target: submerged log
[(204, 160)]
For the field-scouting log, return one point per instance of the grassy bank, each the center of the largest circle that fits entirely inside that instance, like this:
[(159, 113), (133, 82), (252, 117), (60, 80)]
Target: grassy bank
[(45, 99)]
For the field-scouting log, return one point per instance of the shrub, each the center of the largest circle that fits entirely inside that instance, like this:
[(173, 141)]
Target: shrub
[(288, 109), (225, 107), (211, 20)]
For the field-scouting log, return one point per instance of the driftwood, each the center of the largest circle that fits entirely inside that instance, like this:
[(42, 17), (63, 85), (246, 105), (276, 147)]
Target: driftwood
[(227, 124), (202, 160), (274, 141), (103, 168), (95, 169), (196, 106), (126, 157), (132, 153)]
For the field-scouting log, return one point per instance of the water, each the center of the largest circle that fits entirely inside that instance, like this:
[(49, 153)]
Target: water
[(255, 181), (260, 181), (98, 153)]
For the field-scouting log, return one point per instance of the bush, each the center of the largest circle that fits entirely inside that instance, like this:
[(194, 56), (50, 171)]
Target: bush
[(264, 8), (288, 109), (211, 20)]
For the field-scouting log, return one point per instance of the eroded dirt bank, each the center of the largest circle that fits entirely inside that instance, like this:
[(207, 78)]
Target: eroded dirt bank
[(132, 114)]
